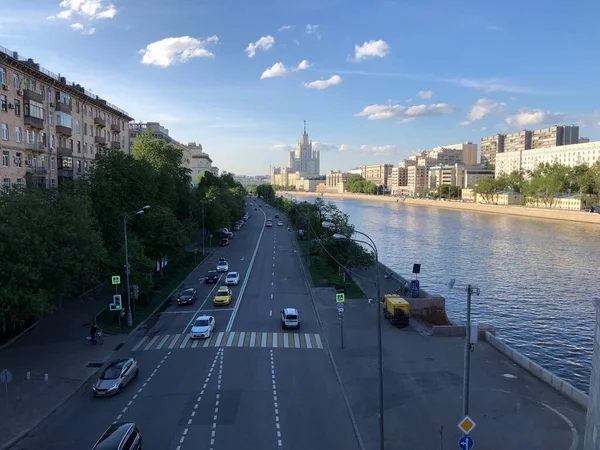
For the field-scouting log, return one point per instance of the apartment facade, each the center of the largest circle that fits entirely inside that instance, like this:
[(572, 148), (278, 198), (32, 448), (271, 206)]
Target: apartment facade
[(490, 147), (333, 179), (465, 153), (555, 136), (378, 174), (50, 129), (200, 162), (159, 132)]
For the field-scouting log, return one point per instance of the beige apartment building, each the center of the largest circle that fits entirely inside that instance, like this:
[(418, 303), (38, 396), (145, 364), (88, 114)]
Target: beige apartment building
[(459, 175), (490, 147), (50, 129), (336, 180), (465, 153), (554, 136), (378, 174)]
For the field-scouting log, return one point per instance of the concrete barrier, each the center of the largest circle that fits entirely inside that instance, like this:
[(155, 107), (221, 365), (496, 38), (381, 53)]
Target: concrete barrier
[(564, 387)]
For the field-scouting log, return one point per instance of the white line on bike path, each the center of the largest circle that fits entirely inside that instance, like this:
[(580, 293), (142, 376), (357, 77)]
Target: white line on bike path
[(139, 391)]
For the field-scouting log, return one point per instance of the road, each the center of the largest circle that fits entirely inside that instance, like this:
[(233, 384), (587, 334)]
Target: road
[(252, 385)]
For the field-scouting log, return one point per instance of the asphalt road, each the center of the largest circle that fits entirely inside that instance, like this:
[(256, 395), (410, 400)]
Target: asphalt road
[(252, 385)]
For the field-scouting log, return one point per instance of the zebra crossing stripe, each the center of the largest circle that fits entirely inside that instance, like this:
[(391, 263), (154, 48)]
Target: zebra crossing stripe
[(185, 341), (139, 344), (174, 341), (263, 341), (195, 343), (297, 340), (318, 339), (252, 339), (286, 342), (219, 338), (307, 339), (241, 339), (151, 342), (275, 338)]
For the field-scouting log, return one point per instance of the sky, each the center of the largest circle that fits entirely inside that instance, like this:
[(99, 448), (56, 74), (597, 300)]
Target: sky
[(375, 80)]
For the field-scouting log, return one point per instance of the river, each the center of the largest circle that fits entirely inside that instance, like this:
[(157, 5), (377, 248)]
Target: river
[(536, 277)]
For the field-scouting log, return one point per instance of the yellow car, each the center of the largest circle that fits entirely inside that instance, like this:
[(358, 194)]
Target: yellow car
[(223, 297)]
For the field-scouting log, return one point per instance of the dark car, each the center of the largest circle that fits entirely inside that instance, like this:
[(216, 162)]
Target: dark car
[(277, 216), (224, 242), (120, 436), (211, 277), (187, 297)]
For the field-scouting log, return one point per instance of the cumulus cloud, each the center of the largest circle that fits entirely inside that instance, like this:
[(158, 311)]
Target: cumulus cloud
[(404, 113), (264, 44), (314, 30), (89, 9), (526, 117), (371, 49), (285, 28), (279, 70), (425, 95), (169, 51), (482, 108), (326, 147), (82, 29), (323, 84), (282, 147)]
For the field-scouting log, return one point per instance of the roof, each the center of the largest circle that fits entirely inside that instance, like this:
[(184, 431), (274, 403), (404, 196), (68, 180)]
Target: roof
[(290, 310), (203, 317), (112, 437)]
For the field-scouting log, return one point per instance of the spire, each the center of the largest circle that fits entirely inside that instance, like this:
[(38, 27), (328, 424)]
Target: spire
[(305, 127)]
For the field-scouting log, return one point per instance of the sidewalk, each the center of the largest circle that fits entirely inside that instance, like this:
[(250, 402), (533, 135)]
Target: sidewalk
[(55, 347), (423, 378)]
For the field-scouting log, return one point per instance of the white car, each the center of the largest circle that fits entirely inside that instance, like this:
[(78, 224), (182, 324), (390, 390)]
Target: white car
[(269, 223), (280, 223), (222, 266), (203, 327), (232, 278)]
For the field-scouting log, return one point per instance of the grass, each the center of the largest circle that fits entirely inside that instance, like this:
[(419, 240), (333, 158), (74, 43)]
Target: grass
[(164, 285)]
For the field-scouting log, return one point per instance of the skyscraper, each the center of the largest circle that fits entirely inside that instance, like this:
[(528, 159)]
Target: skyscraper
[(304, 159)]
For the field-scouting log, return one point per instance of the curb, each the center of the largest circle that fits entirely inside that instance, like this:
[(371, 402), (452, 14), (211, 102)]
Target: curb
[(27, 330)]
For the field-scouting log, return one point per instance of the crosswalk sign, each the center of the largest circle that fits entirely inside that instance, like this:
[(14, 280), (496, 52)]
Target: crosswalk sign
[(116, 279), (340, 298)]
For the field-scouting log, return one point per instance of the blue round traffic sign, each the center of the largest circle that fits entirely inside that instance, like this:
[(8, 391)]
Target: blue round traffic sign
[(465, 443)]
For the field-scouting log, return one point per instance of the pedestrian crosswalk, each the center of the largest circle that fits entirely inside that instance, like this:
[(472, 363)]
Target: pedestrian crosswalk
[(231, 339)]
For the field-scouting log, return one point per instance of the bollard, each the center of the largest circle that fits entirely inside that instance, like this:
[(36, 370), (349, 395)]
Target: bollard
[(28, 376), (45, 377)]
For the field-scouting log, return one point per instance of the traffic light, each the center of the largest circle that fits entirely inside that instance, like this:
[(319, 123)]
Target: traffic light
[(117, 302), (135, 291)]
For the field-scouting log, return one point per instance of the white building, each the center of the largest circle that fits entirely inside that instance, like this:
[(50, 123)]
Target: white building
[(527, 160), (466, 150), (304, 159), (200, 162)]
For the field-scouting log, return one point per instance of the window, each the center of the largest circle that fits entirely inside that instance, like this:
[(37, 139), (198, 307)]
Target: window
[(16, 80), (18, 135), (77, 104), (77, 128), (50, 96), (78, 166), (85, 129), (5, 158), (42, 91), (50, 121), (6, 184), (63, 98), (78, 146), (28, 84), (52, 164), (34, 109), (91, 149), (85, 148), (122, 126), (17, 107), (28, 136), (3, 103), (4, 132), (2, 75), (85, 166), (18, 160), (64, 120), (51, 141)]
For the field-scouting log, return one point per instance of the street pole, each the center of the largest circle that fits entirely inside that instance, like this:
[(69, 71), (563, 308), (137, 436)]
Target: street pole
[(342, 328), (380, 355), (203, 230), (308, 234), (467, 368), (129, 316)]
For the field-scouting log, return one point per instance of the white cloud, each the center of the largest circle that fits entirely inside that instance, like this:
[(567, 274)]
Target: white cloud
[(89, 9), (297, 42), (169, 51), (371, 49), (491, 85), (279, 70), (326, 147), (323, 84), (404, 113), (313, 29), (282, 147), (82, 29), (286, 28), (482, 108), (425, 95), (264, 44), (526, 117)]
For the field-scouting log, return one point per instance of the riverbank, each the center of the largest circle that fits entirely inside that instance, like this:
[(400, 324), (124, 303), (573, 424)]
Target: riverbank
[(552, 214)]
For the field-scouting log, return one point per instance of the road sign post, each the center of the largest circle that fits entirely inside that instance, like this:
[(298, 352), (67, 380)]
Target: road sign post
[(6, 377)]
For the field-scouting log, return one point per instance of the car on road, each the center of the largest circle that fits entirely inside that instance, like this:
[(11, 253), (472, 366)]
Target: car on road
[(236, 227), (187, 296), (290, 318), (277, 216), (226, 233), (222, 265), (203, 327), (223, 296), (120, 436), (269, 223), (224, 242), (115, 376), (232, 278), (211, 276), (280, 223)]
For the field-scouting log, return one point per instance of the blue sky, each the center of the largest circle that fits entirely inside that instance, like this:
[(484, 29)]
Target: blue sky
[(403, 75)]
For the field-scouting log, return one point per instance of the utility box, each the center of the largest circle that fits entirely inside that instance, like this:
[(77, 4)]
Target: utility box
[(474, 332)]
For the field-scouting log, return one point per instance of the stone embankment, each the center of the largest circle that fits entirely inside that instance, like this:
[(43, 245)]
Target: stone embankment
[(522, 211)]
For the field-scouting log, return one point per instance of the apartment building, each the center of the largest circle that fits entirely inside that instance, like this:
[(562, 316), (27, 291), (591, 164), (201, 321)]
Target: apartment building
[(568, 155), (555, 136), (215, 171), (490, 146), (200, 162), (515, 142), (50, 129), (449, 154), (159, 132), (378, 174), (333, 179)]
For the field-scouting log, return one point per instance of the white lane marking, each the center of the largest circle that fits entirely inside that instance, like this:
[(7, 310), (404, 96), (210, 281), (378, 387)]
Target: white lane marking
[(230, 340), (219, 339), (272, 283), (270, 313), (216, 413), (185, 340), (575, 442), (271, 295), (296, 340), (275, 405), (195, 343), (216, 310), (263, 340), (241, 339), (246, 278), (178, 312), (252, 339), (124, 410), (151, 343), (318, 339), (275, 336), (174, 341), (273, 274), (193, 413), (242, 258), (286, 340), (307, 339), (162, 342), (202, 305), (207, 341), (273, 257), (273, 264)]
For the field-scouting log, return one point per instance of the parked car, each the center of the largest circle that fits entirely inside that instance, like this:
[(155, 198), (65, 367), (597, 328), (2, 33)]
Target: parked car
[(115, 376), (203, 327), (232, 278), (224, 242), (187, 297), (120, 436), (222, 265), (211, 276)]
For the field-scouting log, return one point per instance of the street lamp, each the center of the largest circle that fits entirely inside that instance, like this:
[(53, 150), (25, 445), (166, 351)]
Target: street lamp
[(128, 216), (371, 244)]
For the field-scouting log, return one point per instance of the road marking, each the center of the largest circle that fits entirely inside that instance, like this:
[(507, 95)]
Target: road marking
[(270, 313), (219, 339), (275, 336), (162, 342), (185, 341), (195, 343), (275, 401), (174, 341), (271, 296), (216, 310), (263, 341), (202, 305), (307, 339), (178, 312), (124, 410), (273, 274), (230, 340), (286, 342), (575, 441), (242, 258), (246, 278), (199, 399), (241, 339), (272, 283), (252, 339), (151, 342)]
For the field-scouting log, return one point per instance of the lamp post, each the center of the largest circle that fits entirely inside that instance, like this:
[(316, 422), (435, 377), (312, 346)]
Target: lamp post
[(203, 226), (371, 244), (128, 216), (308, 233)]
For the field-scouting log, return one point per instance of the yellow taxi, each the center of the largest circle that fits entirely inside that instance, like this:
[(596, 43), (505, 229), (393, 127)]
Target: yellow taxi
[(223, 296)]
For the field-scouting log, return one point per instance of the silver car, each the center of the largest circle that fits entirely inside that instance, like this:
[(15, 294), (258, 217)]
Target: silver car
[(115, 376)]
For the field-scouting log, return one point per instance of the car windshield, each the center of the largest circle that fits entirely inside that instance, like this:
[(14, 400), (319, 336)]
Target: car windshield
[(232, 275), (222, 263), (111, 373), (202, 322), (187, 292), (212, 273), (223, 292)]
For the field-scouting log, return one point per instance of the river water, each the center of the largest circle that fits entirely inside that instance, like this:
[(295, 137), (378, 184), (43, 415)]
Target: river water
[(536, 277)]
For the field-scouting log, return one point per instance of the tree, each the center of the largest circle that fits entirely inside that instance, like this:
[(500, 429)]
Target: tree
[(486, 188)]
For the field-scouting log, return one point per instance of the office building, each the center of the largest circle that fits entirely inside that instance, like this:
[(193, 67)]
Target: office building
[(51, 129), (378, 174)]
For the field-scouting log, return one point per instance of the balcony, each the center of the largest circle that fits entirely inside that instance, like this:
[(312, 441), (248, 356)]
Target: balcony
[(100, 140), (34, 122), (115, 145), (100, 122), (65, 173), (64, 107), (35, 146), (64, 131), (39, 171), (63, 150), (115, 127), (28, 94)]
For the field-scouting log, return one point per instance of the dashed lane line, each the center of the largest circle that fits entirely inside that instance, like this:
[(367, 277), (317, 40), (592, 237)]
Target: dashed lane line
[(275, 402)]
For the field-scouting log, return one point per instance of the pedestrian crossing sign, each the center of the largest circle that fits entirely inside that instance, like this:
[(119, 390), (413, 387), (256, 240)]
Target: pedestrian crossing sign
[(116, 279), (340, 298)]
